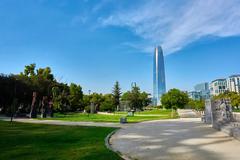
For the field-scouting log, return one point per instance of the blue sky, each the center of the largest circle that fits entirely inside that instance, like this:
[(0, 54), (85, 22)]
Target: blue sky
[(96, 42)]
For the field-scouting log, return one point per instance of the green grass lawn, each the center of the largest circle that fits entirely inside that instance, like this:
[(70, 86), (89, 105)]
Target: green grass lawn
[(138, 117), (152, 112), (21, 141)]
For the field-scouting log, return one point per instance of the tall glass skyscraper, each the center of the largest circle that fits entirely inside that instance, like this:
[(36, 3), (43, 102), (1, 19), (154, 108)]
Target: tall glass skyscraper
[(159, 84)]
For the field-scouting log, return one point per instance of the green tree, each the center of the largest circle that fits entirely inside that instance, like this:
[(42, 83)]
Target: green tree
[(86, 100), (116, 94), (56, 98), (30, 70), (45, 74), (75, 97), (136, 98), (198, 105), (60, 94), (232, 96), (126, 96), (174, 98), (96, 99), (145, 99), (108, 103)]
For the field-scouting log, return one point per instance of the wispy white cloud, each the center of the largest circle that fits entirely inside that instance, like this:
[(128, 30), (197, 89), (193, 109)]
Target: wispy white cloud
[(175, 24)]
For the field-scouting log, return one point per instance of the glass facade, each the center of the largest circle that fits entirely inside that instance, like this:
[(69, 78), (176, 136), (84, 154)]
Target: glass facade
[(159, 84), (203, 89)]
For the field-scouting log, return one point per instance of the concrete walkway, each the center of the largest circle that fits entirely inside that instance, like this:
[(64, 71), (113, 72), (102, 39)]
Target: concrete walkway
[(68, 123), (182, 139), (187, 113)]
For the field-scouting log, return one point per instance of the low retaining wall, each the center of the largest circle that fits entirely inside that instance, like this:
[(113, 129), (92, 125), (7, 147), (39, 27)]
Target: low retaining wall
[(219, 114), (236, 116)]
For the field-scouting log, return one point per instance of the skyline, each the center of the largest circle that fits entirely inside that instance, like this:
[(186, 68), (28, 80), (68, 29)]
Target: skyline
[(95, 43)]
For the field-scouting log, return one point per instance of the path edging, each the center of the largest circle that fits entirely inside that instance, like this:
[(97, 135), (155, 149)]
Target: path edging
[(108, 145)]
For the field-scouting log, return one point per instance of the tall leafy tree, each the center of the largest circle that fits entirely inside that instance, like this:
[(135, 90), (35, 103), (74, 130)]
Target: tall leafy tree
[(75, 97), (135, 98), (174, 98), (96, 99), (108, 103)]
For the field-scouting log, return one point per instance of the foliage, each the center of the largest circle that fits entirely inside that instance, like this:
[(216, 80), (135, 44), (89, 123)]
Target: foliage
[(21, 86), (75, 97), (96, 99), (174, 98), (233, 96), (198, 105), (108, 103), (144, 97), (63, 97), (136, 98)]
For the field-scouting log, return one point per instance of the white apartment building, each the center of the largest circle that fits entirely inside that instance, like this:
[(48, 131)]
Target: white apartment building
[(218, 86), (233, 83)]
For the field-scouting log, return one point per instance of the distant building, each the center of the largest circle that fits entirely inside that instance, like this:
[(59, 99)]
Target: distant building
[(233, 83), (203, 89), (218, 86), (159, 84), (194, 95)]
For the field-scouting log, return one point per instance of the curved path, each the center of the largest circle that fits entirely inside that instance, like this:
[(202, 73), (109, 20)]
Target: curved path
[(182, 139)]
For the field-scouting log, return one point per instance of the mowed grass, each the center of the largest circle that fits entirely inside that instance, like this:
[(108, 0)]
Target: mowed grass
[(138, 116), (155, 112), (21, 141)]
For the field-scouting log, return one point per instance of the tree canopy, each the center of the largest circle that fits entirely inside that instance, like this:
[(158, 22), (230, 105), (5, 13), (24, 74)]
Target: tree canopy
[(234, 97), (21, 86), (174, 98), (136, 98), (18, 89)]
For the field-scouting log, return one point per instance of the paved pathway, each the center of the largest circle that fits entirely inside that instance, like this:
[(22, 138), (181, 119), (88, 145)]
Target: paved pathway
[(68, 123), (182, 139), (187, 113)]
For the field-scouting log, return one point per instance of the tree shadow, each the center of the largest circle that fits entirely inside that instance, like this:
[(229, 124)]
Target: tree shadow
[(175, 140)]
